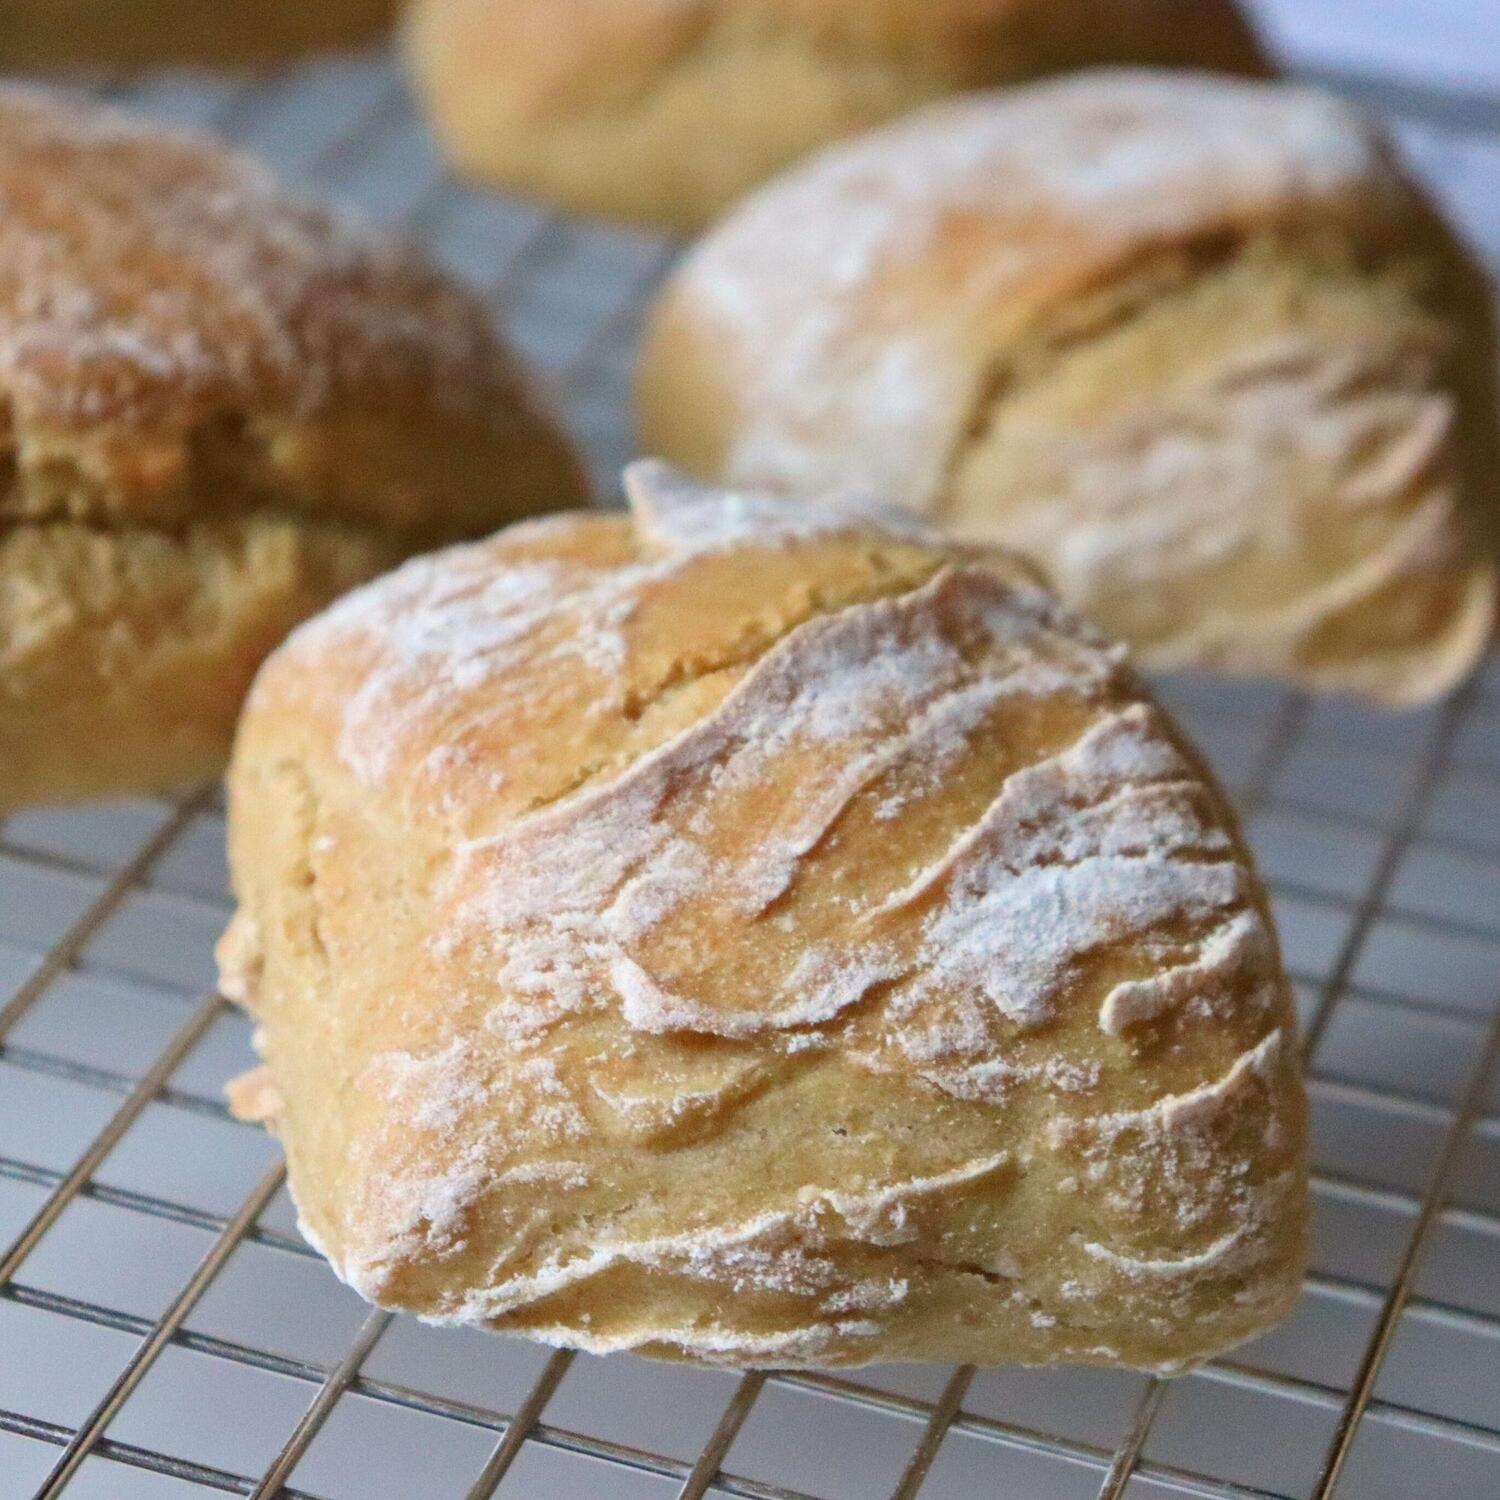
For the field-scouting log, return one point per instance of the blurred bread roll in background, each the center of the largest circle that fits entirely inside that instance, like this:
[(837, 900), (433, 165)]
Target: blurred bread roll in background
[(667, 111), (67, 34), (760, 933), (1197, 345), (220, 407)]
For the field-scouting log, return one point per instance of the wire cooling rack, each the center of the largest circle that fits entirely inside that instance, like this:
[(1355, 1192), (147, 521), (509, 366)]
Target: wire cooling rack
[(165, 1334)]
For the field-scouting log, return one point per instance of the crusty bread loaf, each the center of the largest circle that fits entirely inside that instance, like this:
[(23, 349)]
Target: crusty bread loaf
[(1195, 344), (667, 111), (219, 409), (759, 933), (66, 34)]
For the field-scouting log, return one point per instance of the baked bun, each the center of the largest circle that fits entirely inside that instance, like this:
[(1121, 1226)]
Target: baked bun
[(765, 934), (1196, 345), (220, 409), (51, 34), (667, 111)]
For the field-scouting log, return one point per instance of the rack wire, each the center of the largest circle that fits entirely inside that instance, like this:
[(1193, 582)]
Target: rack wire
[(165, 1334)]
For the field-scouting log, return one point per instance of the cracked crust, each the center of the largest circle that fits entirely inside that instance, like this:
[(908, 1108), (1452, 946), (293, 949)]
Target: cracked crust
[(654, 110), (68, 34), (219, 408), (1198, 346), (762, 934)]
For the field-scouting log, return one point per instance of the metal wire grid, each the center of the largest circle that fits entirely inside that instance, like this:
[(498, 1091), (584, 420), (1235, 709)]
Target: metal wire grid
[(165, 1333)]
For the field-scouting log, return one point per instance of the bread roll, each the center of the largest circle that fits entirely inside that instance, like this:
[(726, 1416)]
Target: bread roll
[(220, 408), (667, 111), (60, 34), (763, 934), (1196, 345)]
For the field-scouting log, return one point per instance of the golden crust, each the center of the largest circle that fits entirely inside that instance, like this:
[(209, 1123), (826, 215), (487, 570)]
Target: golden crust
[(762, 934), (62, 34), (1196, 345), (219, 408), (173, 322), (124, 657), (654, 110)]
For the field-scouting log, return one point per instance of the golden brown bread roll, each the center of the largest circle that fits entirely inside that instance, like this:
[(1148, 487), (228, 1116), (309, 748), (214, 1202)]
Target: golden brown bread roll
[(764, 934), (1197, 345), (57, 34), (668, 111), (220, 408)]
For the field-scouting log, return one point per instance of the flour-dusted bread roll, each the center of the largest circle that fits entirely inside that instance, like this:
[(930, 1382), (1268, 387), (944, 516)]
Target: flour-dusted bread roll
[(55, 34), (765, 934), (668, 111), (220, 409), (1196, 345)]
